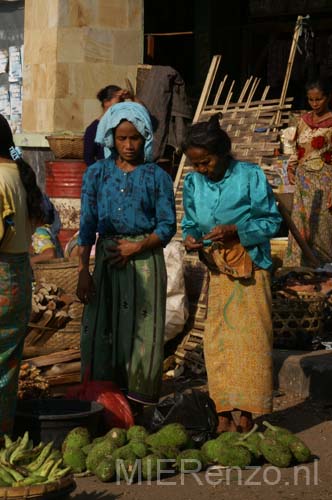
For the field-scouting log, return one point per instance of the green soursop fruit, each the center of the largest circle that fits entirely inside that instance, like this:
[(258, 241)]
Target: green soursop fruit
[(189, 460), (105, 470), (137, 432), (234, 456), (76, 438), (100, 450), (300, 451), (174, 435), (275, 452), (75, 458), (118, 436)]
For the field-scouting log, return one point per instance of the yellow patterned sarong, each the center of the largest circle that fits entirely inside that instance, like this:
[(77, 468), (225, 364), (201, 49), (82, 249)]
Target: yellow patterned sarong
[(238, 343)]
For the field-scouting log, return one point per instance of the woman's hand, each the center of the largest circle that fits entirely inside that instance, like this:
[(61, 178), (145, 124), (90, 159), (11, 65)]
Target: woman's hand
[(192, 244), (85, 286), (223, 232), (120, 253)]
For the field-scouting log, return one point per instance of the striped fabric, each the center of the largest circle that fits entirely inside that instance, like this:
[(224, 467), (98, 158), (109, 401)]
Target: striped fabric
[(122, 337)]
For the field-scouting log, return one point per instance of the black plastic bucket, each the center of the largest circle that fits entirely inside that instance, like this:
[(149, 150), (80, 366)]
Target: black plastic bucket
[(52, 419)]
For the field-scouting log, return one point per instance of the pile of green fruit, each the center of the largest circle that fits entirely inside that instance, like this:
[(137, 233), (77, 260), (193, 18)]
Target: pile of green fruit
[(277, 446), (117, 453), (23, 464)]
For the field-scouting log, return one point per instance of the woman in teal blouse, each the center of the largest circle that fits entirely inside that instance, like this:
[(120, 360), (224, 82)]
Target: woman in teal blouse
[(230, 216), (129, 202)]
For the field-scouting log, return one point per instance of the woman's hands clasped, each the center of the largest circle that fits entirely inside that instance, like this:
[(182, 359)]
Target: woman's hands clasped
[(222, 232), (119, 254)]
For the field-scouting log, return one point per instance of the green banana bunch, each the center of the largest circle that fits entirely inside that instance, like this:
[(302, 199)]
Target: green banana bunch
[(22, 464)]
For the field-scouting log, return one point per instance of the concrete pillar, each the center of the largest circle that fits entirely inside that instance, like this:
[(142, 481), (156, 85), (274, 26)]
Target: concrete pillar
[(72, 48)]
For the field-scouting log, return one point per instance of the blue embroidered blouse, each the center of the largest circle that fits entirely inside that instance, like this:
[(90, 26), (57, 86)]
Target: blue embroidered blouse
[(243, 197), (127, 203)]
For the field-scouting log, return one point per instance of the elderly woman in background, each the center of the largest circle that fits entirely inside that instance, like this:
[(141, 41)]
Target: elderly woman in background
[(20, 209), (129, 201), (230, 216)]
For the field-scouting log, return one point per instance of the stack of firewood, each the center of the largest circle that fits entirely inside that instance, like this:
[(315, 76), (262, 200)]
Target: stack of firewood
[(52, 309), (52, 346)]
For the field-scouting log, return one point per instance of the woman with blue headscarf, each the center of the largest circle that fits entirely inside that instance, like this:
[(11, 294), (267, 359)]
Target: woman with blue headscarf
[(129, 202)]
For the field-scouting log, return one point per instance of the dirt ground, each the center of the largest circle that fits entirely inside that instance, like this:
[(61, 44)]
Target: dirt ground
[(311, 420)]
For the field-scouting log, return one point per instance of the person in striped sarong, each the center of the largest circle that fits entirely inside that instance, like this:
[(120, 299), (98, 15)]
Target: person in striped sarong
[(20, 209), (129, 202), (230, 216)]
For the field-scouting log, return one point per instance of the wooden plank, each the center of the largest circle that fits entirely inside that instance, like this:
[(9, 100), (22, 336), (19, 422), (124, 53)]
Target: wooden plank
[(56, 357), (297, 32)]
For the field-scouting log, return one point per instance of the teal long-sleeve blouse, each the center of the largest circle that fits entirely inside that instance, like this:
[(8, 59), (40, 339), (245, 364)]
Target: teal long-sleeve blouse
[(243, 197), (114, 202)]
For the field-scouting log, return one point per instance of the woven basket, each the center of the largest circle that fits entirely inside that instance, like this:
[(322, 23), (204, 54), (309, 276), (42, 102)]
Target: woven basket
[(297, 318), (62, 272), (57, 489), (67, 146)]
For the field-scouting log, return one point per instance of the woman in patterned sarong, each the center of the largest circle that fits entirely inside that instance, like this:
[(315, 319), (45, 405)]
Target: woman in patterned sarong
[(310, 169), (20, 207), (230, 216), (129, 201)]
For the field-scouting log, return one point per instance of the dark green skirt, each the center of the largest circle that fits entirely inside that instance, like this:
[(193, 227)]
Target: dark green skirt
[(122, 337)]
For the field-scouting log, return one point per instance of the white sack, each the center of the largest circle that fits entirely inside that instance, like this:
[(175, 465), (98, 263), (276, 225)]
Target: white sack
[(176, 302)]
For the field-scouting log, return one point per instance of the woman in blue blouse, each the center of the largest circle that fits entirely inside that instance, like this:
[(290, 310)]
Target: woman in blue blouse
[(129, 201), (230, 216)]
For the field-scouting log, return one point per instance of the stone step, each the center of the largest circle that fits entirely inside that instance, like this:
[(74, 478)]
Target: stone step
[(303, 374)]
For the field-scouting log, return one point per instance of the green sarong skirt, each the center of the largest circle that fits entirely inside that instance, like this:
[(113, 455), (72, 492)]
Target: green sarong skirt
[(15, 307), (122, 337)]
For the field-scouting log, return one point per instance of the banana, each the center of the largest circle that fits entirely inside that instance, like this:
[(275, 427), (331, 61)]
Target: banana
[(29, 481), (21, 447), (5, 477), (16, 476), (8, 451), (56, 467), (60, 473), (33, 466), (46, 468), (25, 456), (8, 441)]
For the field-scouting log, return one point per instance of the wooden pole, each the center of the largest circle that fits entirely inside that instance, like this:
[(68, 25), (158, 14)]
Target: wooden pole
[(297, 32), (200, 106)]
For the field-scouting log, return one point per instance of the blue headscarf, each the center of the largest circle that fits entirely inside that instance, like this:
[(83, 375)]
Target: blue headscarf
[(134, 113)]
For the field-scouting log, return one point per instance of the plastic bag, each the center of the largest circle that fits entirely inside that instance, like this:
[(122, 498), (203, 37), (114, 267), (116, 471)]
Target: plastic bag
[(176, 301), (194, 409), (117, 412)]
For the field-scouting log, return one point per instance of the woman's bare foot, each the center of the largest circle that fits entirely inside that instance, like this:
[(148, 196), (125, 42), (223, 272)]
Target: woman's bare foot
[(246, 422), (226, 422)]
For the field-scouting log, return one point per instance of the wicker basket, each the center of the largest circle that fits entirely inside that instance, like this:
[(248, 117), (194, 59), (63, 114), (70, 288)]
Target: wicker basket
[(61, 272), (67, 146), (297, 318), (57, 489)]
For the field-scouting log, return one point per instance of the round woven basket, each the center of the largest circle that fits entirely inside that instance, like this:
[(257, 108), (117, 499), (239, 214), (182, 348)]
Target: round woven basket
[(67, 146), (62, 272), (56, 489), (297, 318)]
